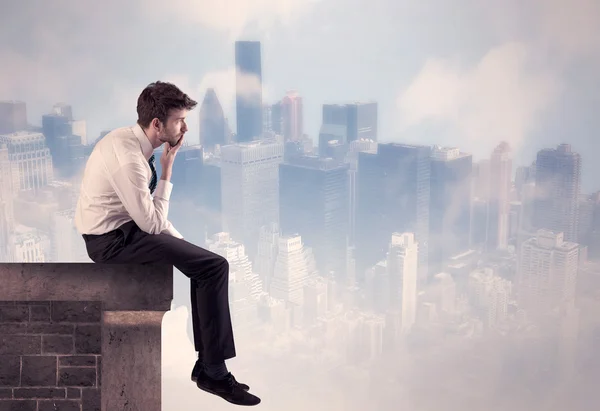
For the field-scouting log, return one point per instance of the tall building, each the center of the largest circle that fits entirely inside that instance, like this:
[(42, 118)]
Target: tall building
[(245, 287), (359, 119), (489, 295), (355, 147), (268, 249), (362, 121), (558, 186), (547, 272), (402, 264), (13, 116), (31, 162), (313, 202), (292, 117), (213, 128), (499, 197), (294, 268), (393, 195), (250, 189), (450, 205), (7, 216), (248, 90), (348, 122), (65, 138)]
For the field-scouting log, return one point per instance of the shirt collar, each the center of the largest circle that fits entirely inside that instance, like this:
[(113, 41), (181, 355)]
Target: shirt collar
[(147, 148)]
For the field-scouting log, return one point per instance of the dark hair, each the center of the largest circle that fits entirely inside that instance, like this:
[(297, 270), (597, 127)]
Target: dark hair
[(158, 99)]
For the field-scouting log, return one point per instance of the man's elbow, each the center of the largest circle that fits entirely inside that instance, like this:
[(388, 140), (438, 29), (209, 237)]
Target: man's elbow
[(153, 226)]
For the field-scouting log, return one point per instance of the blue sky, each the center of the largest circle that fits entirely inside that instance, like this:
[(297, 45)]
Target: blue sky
[(466, 72)]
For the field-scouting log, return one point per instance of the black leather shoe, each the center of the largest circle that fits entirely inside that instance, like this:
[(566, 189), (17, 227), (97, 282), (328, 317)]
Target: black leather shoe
[(228, 389), (198, 373)]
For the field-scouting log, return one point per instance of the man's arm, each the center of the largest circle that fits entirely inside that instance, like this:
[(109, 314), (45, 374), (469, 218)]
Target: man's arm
[(130, 182)]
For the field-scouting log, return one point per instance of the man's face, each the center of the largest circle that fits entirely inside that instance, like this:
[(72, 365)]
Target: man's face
[(174, 128)]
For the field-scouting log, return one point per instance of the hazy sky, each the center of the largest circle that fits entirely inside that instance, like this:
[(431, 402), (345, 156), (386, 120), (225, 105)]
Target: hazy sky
[(466, 72)]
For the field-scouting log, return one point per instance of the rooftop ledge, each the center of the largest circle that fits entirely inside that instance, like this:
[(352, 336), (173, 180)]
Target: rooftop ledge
[(82, 336)]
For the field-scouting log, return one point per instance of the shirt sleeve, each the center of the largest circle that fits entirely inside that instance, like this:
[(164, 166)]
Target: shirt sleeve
[(130, 182)]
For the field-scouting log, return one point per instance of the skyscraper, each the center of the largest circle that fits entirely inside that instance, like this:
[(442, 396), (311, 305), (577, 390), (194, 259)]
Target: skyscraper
[(213, 130), (402, 273), (393, 194), (499, 197), (313, 199), (557, 189), (248, 90), (30, 160), (291, 116), (348, 122), (13, 116), (547, 272), (250, 189), (450, 211)]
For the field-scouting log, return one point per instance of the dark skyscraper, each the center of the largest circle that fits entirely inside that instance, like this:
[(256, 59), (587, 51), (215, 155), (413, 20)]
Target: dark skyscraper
[(362, 121), (347, 122), (393, 194), (248, 90), (212, 122), (450, 210), (13, 116), (557, 188), (313, 201)]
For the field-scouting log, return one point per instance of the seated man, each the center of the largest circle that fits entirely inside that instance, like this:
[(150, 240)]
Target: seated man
[(122, 223)]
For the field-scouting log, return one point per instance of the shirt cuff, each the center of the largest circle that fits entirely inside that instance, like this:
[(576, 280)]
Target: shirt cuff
[(163, 189)]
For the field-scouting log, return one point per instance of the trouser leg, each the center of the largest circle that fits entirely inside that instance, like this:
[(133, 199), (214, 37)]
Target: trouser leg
[(208, 271)]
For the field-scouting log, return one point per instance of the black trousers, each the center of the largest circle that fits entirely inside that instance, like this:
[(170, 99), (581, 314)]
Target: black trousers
[(208, 273)]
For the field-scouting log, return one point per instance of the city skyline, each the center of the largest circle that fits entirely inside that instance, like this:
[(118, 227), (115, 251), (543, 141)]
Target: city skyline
[(405, 192)]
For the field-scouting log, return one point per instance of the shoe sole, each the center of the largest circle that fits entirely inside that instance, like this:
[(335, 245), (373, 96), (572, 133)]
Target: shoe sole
[(195, 380), (228, 400)]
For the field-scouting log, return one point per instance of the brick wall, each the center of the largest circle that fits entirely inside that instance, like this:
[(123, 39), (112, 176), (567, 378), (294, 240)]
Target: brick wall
[(50, 355)]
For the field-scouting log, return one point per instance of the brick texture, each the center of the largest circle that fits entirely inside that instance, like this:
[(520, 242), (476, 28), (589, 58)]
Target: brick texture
[(50, 355)]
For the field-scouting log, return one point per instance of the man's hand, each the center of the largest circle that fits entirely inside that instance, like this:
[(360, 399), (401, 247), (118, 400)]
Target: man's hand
[(168, 157)]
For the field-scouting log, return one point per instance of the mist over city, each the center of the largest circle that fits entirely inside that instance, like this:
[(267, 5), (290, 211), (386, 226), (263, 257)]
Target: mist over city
[(405, 192)]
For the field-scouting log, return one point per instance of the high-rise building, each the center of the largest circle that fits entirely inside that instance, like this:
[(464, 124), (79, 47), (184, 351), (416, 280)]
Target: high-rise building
[(348, 122), (213, 128), (294, 268), (362, 121), (402, 264), (248, 90), (13, 116), (558, 186), (489, 295), (547, 272), (355, 147), (393, 195), (450, 205), (245, 287), (250, 189), (292, 117), (7, 216), (313, 201), (499, 197), (268, 249), (31, 162)]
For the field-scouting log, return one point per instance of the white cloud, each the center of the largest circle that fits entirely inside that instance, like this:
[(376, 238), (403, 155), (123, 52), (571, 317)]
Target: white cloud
[(499, 98), (570, 28), (231, 16)]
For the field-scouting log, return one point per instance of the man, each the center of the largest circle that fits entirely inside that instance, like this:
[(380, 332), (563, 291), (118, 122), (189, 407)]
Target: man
[(122, 223)]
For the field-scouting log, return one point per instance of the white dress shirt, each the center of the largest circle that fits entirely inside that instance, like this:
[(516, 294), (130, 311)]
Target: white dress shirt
[(114, 189)]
